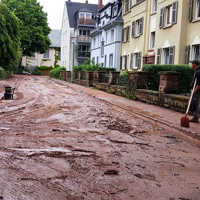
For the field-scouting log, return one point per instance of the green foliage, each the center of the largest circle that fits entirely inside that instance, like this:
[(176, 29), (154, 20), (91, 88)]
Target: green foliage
[(123, 78), (9, 38), (45, 68), (19, 70), (36, 71), (55, 73), (2, 73), (88, 66), (185, 78), (34, 27)]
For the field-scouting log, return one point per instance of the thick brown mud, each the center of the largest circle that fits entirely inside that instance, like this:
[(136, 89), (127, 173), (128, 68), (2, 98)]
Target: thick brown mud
[(57, 143)]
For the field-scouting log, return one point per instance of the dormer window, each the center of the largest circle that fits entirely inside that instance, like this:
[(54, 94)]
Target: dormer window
[(88, 15), (85, 15)]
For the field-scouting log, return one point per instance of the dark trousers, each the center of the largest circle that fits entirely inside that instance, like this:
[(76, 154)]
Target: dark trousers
[(194, 108)]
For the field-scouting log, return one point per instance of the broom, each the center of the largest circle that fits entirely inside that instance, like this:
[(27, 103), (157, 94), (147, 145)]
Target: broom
[(185, 120)]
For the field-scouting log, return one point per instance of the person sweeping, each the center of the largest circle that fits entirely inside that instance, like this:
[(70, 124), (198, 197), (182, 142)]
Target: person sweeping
[(194, 108)]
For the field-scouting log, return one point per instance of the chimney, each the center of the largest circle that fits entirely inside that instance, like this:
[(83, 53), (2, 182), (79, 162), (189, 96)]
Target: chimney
[(100, 4), (86, 1), (69, 0)]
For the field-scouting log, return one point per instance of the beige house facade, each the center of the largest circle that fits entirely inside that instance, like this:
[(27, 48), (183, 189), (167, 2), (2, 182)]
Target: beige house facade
[(49, 57), (160, 32)]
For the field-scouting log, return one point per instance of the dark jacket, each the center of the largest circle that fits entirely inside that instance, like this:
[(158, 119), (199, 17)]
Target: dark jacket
[(197, 76)]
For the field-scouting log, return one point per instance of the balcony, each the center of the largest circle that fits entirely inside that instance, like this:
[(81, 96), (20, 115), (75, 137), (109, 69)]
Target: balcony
[(83, 39), (82, 54), (86, 22)]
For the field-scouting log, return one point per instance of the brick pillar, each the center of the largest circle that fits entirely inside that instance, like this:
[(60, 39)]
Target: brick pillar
[(101, 76), (168, 82), (114, 78), (63, 75), (89, 78), (131, 83), (142, 78), (68, 75)]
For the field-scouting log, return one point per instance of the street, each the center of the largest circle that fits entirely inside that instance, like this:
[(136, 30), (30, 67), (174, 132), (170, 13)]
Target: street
[(59, 143)]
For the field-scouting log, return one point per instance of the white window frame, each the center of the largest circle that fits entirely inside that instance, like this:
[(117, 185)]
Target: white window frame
[(195, 50), (152, 39), (111, 60), (197, 14), (154, 7), (112, 35), (168, 16), (137, 27), (165, 59), (135, 61)]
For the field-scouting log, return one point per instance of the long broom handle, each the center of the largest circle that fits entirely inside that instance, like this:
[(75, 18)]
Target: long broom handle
[(191, 97)]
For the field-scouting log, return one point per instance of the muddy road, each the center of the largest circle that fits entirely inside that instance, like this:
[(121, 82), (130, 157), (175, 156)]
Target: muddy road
[(57, 143)]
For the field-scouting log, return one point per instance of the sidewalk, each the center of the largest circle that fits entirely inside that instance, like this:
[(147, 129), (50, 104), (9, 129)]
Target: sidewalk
[(158, 114)]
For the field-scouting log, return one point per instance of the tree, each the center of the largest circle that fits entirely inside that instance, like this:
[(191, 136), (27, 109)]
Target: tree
[(34, 26), (9, 38)]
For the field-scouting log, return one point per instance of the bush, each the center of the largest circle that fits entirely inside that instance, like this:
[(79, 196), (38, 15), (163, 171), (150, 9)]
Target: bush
[(2, 73), (55, 73), (36, 71), (93, 68), (123, 78), (19, 70), (185, 78), (45, 68)]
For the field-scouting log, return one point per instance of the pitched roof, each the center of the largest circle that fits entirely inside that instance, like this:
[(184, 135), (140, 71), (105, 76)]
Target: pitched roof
[(55, 37), (73, 7)]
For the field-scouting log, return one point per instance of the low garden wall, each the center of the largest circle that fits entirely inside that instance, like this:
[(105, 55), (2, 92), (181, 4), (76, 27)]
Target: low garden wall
[(136, 87)]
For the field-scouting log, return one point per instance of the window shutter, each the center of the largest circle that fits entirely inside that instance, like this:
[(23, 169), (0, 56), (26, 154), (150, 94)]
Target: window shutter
[(139, 60), (174, 12), (120, 62), (127, 34), (159, 56), (171, 55), (161, 18), (122, 35), (133, 29), (187, 54), (191, 10), (131, 61), (141, 25), (125, 62)]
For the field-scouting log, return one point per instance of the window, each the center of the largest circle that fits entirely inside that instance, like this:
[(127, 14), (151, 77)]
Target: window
[(135, 62), (97, 60), (196, 52), (112, 35), (152, 42), (168, 15), (111, 60), (168, 19), (125, 34), (106, 37), (166, 55), (127, 5), (81, 15), (88, 15), (93, 60), (137, 27), (198, 9), (105, 61), (194, 10), (102, 48), (46, 54), (124, 62), (154, 6)]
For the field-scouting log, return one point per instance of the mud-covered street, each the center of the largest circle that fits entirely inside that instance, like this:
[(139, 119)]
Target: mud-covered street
[(57, 143)]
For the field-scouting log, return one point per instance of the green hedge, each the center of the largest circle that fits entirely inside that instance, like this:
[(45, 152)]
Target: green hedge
[(91, 67), (185, 78), (55, 73), (36, 71), (45, 68), (2, 73)]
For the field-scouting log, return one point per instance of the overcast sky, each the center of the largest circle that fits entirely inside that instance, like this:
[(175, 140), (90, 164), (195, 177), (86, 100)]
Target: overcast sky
[(54, 9)]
